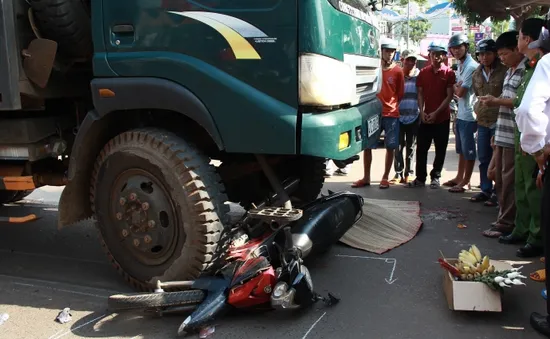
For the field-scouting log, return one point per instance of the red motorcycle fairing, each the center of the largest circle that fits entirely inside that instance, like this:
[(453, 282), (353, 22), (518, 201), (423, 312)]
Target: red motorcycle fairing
[(252, 283), (243, 252)]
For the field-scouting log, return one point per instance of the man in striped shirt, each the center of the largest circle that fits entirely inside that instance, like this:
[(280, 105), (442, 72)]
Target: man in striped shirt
[(408, 121), (504, 140)]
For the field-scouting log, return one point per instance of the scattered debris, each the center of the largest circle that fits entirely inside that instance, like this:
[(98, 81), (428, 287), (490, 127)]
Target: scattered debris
[(461, 226), (442, 214), (64, 316), (207, 332), (513, 328), (3, 318)]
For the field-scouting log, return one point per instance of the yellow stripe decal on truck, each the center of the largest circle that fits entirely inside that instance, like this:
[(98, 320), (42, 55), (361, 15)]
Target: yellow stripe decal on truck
[(240, 46)]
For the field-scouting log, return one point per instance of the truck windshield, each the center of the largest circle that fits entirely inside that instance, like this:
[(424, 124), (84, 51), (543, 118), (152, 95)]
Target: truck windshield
[(357, 8)]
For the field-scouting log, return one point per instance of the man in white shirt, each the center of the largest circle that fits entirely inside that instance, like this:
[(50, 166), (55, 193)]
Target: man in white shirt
[(532, 118)]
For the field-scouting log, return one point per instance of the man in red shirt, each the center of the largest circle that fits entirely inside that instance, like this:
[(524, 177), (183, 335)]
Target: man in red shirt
[(435, 92), (393, 88)]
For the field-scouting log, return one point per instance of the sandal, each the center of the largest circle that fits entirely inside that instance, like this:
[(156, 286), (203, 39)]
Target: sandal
[(492, 202), (415, 183), (480, 197), (384, 184), (450, 183), (457, 189), (496, 231), (360, 183), (538, 276)]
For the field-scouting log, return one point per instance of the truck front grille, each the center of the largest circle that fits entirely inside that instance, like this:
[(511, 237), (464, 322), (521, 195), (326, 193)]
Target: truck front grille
[(367, 70)]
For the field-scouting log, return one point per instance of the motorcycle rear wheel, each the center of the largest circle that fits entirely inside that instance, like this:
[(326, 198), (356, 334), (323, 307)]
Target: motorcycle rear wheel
[(135, 301)]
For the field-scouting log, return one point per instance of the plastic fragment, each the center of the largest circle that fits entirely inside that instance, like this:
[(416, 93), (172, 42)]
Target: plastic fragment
[(207, 331), (3, 318), (64, 316)]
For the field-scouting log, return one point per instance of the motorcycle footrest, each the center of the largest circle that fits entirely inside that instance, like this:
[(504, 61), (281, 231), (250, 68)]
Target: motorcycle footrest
[(276, 214)]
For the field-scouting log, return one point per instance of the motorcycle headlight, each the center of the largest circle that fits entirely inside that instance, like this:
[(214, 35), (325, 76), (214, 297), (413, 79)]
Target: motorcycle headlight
[(280, 289), (324, 81)]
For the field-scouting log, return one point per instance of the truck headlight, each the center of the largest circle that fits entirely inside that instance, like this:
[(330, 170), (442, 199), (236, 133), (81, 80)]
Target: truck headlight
[(324, 81)]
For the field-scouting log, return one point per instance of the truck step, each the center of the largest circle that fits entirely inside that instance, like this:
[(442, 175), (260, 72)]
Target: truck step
[(275, 214), (17, 183), (20, 220)]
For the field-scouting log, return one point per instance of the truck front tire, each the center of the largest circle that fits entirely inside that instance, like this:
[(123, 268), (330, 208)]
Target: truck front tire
[(160, 207)]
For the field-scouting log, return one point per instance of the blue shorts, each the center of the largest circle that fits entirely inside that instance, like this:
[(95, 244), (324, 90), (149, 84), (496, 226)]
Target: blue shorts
[(390, 126), (465, 139)]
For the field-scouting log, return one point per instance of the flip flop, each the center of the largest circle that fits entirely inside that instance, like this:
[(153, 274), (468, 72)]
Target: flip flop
[(360, 183), (495, 232), (384, 184), (538, 276), (450, 183), (457, 189), (480, 197)]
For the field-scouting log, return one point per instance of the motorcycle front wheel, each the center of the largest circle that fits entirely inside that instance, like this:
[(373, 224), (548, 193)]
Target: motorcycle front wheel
[(135, 301)]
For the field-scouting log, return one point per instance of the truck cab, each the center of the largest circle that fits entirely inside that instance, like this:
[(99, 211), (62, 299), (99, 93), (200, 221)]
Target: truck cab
[(156, 113)]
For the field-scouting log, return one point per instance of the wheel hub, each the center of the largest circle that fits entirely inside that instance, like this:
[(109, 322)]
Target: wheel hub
[(144, 216)]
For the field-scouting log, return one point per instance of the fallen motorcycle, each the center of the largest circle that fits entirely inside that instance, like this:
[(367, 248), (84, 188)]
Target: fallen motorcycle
[(265, 270)]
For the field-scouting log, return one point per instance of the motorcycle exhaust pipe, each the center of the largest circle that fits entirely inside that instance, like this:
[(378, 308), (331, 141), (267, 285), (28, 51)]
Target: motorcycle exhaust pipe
[(325, 221)]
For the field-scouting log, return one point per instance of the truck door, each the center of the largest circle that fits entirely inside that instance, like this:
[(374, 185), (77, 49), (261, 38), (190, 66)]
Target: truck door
[(237, 56)]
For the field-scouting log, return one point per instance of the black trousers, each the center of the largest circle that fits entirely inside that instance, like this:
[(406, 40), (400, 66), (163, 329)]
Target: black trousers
[(407, 142), (439, 135), (545, 225)]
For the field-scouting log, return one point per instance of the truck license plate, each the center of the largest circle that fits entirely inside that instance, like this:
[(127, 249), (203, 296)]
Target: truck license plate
[(373, 125)]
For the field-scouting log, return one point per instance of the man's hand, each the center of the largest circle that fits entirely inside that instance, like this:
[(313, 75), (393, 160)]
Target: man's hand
[(488, 100), (541, 159), (429, 118), (425, 118), (539, 181)]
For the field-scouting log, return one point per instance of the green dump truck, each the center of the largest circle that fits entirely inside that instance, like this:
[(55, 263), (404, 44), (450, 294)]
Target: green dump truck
[(155, 113)]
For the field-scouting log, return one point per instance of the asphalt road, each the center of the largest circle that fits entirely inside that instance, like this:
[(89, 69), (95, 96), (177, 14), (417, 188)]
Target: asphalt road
[(43, 270)]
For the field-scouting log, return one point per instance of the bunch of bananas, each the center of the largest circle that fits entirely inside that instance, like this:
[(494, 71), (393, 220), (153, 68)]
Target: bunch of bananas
[(472, 265)]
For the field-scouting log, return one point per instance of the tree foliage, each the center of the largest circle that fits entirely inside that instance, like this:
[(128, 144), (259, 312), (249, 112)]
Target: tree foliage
[(463, 10), (418, 29), (406, 2)]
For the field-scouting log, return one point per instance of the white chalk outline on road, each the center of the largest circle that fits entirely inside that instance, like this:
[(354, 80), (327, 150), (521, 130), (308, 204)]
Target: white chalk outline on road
[(55, 336), (312, 326), (393, 261)]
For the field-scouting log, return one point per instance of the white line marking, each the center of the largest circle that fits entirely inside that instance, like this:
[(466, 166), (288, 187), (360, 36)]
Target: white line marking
[(312, 326), (79, 326), (63, 290), (393, 261)]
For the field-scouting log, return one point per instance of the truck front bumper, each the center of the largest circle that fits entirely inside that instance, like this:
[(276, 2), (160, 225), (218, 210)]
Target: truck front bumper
[(341, 134)]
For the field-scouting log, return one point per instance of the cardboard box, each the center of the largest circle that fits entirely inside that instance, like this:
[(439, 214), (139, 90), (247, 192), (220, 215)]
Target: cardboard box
[(472, 296)]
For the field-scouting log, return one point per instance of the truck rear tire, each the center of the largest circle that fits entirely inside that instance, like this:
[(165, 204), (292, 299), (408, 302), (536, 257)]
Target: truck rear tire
[(68, 22), (160, 207)]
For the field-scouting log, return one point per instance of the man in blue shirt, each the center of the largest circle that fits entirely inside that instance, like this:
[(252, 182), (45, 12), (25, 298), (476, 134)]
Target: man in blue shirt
[(408, 121), (466, 125)]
